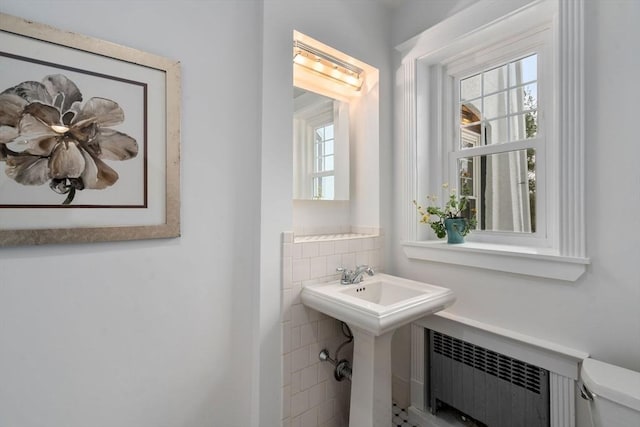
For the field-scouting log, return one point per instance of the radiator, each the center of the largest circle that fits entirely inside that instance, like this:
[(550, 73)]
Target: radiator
[(489, 387)]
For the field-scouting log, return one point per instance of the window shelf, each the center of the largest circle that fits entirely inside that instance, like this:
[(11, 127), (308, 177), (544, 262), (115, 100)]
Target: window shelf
[(520, 260)]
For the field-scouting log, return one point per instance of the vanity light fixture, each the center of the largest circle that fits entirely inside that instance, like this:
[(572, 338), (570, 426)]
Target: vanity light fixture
[(327, 65)]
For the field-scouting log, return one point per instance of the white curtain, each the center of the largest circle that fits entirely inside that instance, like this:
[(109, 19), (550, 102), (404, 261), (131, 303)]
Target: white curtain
[(507, 192), (341, 147), (302, 159)]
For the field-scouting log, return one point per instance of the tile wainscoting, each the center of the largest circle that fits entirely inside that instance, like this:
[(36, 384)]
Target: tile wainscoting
[(311, 397)]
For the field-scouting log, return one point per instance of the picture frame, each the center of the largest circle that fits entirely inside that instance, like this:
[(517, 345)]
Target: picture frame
[(89, 139)]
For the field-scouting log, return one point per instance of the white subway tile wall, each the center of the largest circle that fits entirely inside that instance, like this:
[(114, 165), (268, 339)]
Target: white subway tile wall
[(311, 397)]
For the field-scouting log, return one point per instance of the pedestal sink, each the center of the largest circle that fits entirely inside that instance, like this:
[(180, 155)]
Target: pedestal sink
[(373, 309)]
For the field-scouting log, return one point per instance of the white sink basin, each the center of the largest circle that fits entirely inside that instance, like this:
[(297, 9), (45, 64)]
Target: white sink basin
[(373, 309), (382, 293), (378, 304)]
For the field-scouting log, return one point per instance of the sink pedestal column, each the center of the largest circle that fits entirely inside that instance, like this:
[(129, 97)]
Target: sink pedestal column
[(370, 379)]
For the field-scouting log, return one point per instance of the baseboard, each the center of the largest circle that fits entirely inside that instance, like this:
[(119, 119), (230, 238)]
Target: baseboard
[(401, 391)]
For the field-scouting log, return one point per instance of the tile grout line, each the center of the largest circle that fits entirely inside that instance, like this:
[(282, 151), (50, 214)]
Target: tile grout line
[(400, 417)]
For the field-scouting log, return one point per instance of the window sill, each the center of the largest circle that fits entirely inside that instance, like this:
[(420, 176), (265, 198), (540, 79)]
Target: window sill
[(520, 260)]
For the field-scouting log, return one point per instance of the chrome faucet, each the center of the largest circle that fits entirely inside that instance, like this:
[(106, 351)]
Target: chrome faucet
[(350, 277)]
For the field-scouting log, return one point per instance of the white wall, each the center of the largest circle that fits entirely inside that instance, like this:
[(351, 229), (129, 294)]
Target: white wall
[(321, 217), (599, 312), (183, 331), (414, 16), (151, 333), (357, 28)]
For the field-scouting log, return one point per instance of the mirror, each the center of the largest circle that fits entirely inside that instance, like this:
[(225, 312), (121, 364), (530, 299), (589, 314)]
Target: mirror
[(320, 147)]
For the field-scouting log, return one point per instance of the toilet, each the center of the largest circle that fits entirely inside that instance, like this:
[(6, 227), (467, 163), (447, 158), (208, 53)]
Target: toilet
[(613, 393)]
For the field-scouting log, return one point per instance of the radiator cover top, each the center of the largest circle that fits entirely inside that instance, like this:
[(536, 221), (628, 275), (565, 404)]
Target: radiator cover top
[(490, 387)]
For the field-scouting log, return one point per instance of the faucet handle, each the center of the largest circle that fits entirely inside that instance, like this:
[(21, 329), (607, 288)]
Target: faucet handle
[(366, 269), (345, 274)]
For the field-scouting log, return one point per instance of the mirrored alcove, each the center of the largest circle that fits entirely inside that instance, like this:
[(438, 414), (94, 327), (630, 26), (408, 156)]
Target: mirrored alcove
[(335, 142), (320, 147)]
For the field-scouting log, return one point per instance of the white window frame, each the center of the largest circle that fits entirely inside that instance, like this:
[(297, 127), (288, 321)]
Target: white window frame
[(315, 173), (313, 116), (538, 41), (561, 252)]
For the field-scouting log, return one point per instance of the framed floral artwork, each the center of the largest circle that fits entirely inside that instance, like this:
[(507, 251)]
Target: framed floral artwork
[(89, 139)]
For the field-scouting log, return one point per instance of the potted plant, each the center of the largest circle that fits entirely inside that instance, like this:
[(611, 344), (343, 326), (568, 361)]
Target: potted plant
[(448, 220)]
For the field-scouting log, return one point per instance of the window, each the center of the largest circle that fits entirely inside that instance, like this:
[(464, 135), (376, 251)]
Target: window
[(489, 103), (495, 157), (323, 162), (495, 140)]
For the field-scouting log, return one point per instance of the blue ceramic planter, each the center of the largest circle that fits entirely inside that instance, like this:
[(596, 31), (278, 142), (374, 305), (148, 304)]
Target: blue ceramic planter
[(455, 228)]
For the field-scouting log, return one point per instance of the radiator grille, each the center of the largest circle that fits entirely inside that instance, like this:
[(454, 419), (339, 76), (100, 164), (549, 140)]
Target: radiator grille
[(506, 368), (491, 387)]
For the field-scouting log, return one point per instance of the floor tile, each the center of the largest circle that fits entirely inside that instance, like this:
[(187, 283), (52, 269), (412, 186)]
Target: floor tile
[(400, 417)]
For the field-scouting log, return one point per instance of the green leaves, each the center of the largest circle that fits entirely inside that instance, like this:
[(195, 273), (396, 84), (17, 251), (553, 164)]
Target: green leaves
[(454, 207)]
